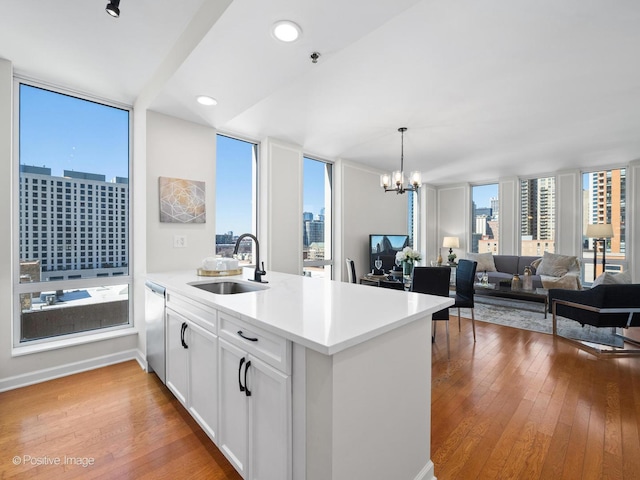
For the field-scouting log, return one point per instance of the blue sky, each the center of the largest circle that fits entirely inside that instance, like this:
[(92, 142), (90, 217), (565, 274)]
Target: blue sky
[(482, 194), (233, 179), (314, 177), (61, 132)]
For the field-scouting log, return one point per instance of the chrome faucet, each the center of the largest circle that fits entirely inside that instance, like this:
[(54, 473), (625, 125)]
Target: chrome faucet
[(257, 276)]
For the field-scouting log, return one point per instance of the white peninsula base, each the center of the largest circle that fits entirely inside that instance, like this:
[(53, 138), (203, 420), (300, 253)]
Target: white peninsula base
[(365, 412)]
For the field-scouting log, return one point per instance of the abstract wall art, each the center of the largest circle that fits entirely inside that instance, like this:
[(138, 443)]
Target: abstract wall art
[(181, 201)]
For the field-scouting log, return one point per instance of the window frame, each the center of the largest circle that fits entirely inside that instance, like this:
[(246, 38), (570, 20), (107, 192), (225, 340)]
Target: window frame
[(325, 262), (586, 256), (473, 218), (255, 188), (76, 338)]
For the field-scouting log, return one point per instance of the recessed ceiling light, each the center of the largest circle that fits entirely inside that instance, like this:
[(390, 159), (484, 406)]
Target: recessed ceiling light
[(206, 100), (286, 31)]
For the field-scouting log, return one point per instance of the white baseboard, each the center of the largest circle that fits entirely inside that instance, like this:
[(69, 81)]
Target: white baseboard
[(45, 374), (427, 472)]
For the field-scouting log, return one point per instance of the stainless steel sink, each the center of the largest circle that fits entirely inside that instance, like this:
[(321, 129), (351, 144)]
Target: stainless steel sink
[(228, 287)]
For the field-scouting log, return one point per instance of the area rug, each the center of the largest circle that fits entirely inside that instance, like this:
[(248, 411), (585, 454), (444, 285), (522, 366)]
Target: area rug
[(530, 316)]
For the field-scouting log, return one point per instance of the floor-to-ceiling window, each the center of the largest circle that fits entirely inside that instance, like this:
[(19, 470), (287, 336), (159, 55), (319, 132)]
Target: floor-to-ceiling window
[(236, 193), (72, 215), (485, 217), (537, 216), (317, 216), (604, 203)]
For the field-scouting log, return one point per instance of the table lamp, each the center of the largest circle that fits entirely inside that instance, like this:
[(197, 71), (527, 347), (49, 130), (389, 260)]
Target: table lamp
[(451, 243), (599, 232)]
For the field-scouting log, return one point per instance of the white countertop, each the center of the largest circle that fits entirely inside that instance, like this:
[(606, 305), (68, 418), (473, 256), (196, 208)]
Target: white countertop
[(324, 315)]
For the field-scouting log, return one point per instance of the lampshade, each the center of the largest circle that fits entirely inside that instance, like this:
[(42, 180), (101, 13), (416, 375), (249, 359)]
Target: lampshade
[(451, 242), (599, 230)]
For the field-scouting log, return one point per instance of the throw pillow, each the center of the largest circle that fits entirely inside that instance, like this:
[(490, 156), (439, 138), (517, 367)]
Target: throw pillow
[(607, 278), (554, 265), (485, 261), (535, 265)]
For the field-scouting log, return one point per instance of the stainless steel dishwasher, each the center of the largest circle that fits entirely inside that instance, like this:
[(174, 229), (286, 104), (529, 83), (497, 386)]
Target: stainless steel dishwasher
[(154, 318)]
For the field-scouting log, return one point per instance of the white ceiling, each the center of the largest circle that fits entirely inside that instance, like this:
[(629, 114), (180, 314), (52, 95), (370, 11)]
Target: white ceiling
[(486, 88)]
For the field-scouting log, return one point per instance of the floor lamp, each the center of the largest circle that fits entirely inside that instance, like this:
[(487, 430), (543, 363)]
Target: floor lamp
[(599, 232)]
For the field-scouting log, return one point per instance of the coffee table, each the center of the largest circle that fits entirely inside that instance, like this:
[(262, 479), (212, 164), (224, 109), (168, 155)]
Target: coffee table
[(540, 295)]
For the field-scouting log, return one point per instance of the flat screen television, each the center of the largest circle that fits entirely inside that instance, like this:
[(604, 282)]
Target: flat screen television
[(385, 247)]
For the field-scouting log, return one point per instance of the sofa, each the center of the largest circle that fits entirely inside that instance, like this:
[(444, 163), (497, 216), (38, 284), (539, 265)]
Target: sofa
[(549, 271)]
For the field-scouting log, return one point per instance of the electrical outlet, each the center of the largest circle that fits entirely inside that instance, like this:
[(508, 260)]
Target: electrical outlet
[(179, 241)]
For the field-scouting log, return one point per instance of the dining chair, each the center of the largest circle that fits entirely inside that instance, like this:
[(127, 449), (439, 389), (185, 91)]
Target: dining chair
[(396, 285), (434, 281), (465, 278), (351, 270)]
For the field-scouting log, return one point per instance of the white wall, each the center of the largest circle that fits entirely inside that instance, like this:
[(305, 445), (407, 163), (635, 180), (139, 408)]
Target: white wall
[(180, 149), (453, 219), (569, 213), (280, 222), (365, 209), (509, 216)]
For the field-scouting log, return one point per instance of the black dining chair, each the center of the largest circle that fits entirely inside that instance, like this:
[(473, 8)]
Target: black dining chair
[(393, 284), (465, 278), (434, 281), (351, 270)]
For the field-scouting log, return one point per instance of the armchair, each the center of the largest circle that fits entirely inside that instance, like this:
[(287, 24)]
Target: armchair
[(614, 306)]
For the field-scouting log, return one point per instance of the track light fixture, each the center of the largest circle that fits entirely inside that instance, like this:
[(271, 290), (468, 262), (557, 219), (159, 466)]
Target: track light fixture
[(112, 8)]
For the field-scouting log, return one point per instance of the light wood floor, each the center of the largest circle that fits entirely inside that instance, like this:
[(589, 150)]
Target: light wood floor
[(119, 416), (522, 405), (515, 405)]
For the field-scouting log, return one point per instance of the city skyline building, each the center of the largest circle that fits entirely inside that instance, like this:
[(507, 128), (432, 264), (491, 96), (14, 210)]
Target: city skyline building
[(537, 216), (75, 225)]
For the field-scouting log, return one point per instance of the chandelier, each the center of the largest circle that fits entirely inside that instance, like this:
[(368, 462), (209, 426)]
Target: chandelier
[(397, 177)]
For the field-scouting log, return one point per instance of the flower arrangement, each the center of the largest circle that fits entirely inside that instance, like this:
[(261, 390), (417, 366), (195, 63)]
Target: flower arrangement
[(409, 255)]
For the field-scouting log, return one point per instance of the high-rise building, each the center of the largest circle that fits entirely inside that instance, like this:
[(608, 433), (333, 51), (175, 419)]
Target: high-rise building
[(76, 225), (608, 205), (495, 207), (537, 208), (314, 231)]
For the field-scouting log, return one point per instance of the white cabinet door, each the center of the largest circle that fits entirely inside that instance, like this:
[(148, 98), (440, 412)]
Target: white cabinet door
[(203, 377), (177, 356), (269, 422), (233, 425)]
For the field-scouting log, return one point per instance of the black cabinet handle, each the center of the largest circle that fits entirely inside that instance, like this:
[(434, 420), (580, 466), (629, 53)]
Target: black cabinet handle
[(240, 375), (184, 328), (251, 339), (246, 388)]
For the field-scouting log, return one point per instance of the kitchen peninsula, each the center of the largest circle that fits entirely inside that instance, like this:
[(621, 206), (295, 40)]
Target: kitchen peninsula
[(305, 378)]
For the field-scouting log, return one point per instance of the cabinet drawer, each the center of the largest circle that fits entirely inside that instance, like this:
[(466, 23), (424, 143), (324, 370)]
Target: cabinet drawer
[(198, 313), (272, 349)]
